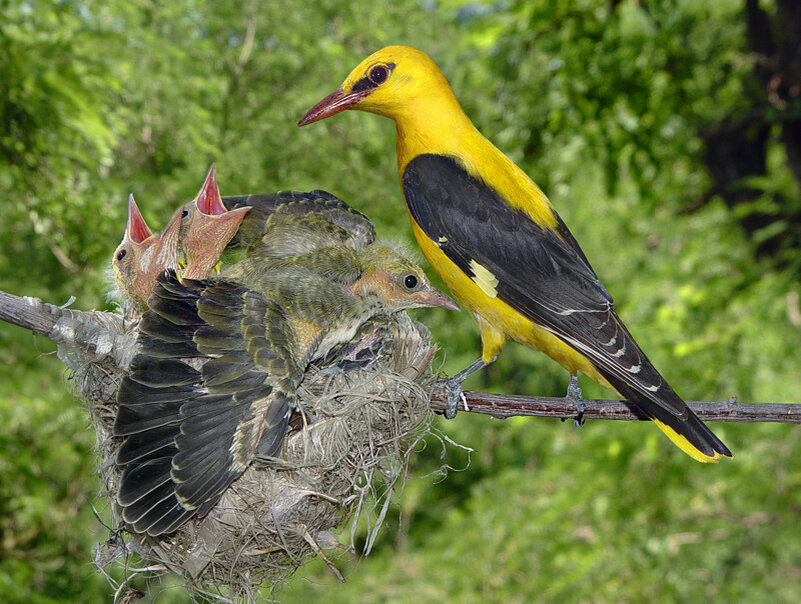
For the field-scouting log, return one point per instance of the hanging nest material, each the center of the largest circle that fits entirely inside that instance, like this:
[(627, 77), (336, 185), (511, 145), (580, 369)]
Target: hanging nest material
[(345, 454)]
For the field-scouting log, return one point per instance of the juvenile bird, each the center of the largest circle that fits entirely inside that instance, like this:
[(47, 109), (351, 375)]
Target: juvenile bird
[(207, 228), (299, 222), (500, 246), (219, 363), (142, 256)]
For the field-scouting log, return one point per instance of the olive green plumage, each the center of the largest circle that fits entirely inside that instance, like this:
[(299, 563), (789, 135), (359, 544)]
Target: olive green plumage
[(220, 360)]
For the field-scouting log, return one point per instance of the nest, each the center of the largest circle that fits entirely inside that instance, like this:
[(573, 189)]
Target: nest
[(345, 454)]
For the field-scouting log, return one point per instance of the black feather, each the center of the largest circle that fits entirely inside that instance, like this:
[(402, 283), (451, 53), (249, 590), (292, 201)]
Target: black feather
[(170, 521), (273, 437), (148, 444), (139, 480), (162, 328), (206, 486), (152, 371), (143, 508), (131, 420)]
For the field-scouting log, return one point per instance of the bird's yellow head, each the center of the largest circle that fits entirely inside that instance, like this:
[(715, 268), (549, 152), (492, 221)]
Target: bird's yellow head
[(397, 281), (394, 82)]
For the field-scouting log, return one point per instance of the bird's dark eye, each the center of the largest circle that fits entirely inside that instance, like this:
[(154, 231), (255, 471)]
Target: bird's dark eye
[(121, 255), (378, 74), (410, 281), (185, 213)]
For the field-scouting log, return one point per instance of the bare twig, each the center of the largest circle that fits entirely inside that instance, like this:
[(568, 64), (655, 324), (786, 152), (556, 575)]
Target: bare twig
[(502, 406), (43, 318)]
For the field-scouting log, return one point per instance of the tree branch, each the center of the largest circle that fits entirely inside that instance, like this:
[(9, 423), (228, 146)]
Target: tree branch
[(502, 406), (97, 334)]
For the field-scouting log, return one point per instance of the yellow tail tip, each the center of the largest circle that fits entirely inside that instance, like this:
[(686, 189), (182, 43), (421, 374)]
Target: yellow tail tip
[(685, 445)]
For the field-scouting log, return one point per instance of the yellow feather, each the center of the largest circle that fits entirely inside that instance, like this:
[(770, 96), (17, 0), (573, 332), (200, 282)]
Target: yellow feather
[(685, 445)]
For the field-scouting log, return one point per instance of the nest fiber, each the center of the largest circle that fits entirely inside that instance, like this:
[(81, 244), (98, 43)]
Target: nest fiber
[(345, 454)]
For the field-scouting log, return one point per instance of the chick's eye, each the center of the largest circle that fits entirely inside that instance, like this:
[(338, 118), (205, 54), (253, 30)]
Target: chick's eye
[(120, 255), (410, 281), (185, 213), (378, 74)]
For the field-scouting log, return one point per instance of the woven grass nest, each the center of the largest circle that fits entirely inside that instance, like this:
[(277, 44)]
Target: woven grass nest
[(346, 452)]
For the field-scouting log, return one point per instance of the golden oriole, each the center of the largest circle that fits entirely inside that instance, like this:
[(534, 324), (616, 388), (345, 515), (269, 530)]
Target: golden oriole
[(500, 246)]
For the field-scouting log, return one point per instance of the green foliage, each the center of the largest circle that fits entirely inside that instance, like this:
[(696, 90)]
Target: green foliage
[(605, 108)]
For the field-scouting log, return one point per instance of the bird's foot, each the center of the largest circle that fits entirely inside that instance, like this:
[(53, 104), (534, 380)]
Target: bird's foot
[(453, 388), (574, 395)]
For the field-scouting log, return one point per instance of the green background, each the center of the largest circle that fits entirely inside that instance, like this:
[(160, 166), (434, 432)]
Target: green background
[(666, 137)]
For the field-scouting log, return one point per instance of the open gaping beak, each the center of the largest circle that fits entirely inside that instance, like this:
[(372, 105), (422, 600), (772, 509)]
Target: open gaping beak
[(334, 103), (137, 230), (208, 200)]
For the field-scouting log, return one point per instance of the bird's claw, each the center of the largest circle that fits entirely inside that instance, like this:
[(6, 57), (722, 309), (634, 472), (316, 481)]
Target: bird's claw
[(453, 386), (574, 395), (453, 389), (581, 407)]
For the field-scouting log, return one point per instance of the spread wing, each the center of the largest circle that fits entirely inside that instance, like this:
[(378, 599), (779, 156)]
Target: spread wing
[(189, 432), (541, 272)]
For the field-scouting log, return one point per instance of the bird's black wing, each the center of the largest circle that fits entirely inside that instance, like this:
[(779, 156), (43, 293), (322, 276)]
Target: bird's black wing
[(189, 432), (541, 272)]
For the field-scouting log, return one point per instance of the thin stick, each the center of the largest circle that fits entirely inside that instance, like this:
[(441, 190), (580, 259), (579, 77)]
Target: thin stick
[(502, 406)]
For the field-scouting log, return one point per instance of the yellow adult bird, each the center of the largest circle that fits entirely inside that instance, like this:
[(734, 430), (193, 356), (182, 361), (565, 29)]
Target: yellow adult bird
[(499, 245)]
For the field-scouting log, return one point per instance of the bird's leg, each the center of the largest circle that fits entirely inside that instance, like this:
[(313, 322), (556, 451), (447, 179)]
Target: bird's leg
[(453, 385), (574, 395)]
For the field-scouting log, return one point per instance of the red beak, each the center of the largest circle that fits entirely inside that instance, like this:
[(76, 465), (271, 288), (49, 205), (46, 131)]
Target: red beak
[(209, 201), (137, 227), (334, 103)]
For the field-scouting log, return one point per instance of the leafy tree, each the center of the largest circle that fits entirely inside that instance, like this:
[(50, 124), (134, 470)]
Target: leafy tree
[(635, 118)]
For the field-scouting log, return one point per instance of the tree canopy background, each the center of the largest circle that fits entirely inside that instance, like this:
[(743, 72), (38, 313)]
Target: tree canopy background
[(668, 135)]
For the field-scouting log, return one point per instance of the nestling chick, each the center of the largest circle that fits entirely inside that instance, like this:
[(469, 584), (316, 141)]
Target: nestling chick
[(207, 228), (189, 433), (142, 256)]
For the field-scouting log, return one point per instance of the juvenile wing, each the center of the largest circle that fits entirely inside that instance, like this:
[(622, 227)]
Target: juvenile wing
[(300, 222), (188, 433)]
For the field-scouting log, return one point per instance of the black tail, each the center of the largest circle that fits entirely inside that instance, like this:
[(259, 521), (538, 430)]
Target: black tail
[(686, 431)]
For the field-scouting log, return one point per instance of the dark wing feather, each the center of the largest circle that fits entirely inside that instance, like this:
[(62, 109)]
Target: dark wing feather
[(541, 272), (189, 433), (353, 227)]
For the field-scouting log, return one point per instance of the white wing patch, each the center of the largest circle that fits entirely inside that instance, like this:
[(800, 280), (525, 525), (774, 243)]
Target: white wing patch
[(485, 280)]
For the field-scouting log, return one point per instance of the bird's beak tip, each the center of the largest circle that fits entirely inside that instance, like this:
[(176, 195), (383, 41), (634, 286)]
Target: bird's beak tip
[(451, 305), (334, 103), (138, 230), (437, 298), (208, 199)]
